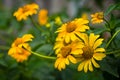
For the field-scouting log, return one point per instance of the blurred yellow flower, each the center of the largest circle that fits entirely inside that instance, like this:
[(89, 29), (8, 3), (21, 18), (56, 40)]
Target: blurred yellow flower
[(48, 25), (97, 17), (84, 16), (66, 53), (25, 11), (43, 17), (69, 30), (91, 52), (18, 48), (58, 21)]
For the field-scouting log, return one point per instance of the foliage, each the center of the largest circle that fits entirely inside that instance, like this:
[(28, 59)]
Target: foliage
[(40, 64)]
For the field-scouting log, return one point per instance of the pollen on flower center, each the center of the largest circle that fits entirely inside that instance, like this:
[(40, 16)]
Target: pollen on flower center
[(70, 27), (65, 51), (87, 52)]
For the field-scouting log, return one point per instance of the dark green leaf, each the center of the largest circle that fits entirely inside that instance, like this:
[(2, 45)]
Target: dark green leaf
[(109, 65), (112, 7)]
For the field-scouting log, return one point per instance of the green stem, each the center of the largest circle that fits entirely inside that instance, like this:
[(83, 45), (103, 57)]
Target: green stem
[(38, 27), (113, 52), (42, 56), (112, 38)]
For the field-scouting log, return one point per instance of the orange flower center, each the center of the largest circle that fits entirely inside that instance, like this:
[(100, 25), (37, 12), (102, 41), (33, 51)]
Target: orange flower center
[(70, 27), (65, 51), (87, 52), (25, 9)]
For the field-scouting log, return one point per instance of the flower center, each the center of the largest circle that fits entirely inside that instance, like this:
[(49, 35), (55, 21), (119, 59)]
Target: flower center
[(25, 9), (70, 27), (65, 51), (100, 16), (87, 52)]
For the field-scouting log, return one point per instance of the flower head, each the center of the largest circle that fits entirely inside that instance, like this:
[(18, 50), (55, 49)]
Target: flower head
[(58, 21), (43, 17), (65, 53), (84, 15), (91, 52), (18, 49), (25, 11), (68, 30), (97, 17)]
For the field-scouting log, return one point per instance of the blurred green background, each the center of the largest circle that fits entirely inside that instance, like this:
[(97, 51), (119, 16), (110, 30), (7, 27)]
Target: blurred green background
[(36, 68)]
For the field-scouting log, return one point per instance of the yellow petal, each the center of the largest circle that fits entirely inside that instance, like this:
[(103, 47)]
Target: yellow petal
[(95, 64), (72, 59), (73, 37), (92, 39), (77, 51), (97, 43), (99, 56), (57, 62), (99, 50), (67, 38), (27, 37), (86, 66), (90, 66), (81, 65), (67, 61)]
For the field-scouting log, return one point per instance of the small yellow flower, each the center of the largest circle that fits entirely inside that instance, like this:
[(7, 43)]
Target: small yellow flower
[(65, 53), (18, 48), (97, 17), (69, 30), (91, 52), (48, 25), (25, 11), (84, 16), (58, 21), (43, 17)]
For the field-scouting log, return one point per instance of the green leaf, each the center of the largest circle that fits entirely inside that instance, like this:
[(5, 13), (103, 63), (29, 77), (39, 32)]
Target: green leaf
[(111, 8), (99, 30), (109, 65), (95, 75)]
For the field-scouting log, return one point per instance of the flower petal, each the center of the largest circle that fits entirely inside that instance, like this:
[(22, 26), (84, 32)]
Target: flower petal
[(81, 65), (95, 64), (99, 50), (86, 66), (97, 43), (92, 39), (99, 56), (72, 59), (90, 66)]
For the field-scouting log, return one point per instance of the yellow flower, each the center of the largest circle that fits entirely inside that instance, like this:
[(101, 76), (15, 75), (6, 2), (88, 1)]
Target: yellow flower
[(25, 11), (18, 49), (84, 16), (97, 17), (65, 53), (48, 25), (69, 30), (91, 52), (58, 21), (43, 17)]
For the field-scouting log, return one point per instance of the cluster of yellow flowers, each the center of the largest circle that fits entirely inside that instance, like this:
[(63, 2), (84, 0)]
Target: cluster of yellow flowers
[(72, 44), (28, 10)]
